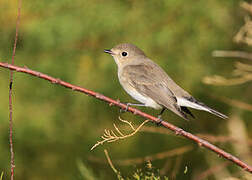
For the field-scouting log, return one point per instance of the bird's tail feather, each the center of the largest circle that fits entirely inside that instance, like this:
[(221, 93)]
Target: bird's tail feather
[(193, 103), (217, 113)]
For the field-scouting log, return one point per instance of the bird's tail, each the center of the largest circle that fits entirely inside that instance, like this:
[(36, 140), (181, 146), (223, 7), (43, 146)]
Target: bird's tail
[(217, 113), (193, 103)]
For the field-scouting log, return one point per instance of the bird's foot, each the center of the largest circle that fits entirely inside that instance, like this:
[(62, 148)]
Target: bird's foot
[(159, 120), (122, 110)]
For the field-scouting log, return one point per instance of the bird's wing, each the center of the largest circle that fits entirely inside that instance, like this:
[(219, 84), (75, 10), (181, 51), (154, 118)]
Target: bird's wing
[(148, 81)]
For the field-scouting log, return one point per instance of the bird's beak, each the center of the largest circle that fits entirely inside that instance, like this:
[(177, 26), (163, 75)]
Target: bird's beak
[(108, 51)]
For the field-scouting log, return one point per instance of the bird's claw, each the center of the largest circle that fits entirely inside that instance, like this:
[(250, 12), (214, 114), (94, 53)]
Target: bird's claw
[(126, 109), (159, 120)]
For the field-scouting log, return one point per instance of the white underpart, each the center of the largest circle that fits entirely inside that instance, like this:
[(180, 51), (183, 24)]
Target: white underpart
[(143, 99), (187, 103)]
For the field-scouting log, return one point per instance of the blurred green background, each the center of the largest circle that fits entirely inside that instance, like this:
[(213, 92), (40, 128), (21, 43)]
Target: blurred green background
[(54, 127)]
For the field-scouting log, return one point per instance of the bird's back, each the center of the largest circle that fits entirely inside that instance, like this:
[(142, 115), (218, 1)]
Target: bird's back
[(165, 78)]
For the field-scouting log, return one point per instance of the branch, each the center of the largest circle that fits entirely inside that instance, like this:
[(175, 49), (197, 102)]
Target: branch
[(12, 163), (1, 176), (176, 130), (246, 6), (119, 176), (242, 73), (111, 136), (232, 54)]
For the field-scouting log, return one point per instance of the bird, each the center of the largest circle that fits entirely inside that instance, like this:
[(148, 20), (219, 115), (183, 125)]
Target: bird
[(146, 82)]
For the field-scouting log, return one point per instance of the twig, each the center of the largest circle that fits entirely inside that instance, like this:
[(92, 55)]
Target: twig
[(1, 177), (246, 6), (111, 136), (242, 68), (176, 130), (127, 122), (222, 81), (243, 74), (232, 54), (112, 166), (245, 32), (10, 91)]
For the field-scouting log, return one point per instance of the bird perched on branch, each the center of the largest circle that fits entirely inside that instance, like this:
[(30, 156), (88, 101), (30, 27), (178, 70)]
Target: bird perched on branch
[(149, 84)]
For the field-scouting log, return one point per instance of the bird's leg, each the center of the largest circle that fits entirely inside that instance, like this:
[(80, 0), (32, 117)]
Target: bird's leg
[(130, 104), (160, 115)]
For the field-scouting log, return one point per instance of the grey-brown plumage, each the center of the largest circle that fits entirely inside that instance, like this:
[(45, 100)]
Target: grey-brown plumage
[(148, 83)]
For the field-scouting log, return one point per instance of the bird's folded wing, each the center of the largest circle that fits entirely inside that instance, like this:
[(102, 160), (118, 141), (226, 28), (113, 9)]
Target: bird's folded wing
[(147, 80)]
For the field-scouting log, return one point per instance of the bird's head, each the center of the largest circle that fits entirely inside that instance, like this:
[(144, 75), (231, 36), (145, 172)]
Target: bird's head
[(125, 54)]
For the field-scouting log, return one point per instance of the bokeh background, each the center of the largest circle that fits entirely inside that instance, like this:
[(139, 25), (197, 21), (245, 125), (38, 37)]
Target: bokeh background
[(54, 127)]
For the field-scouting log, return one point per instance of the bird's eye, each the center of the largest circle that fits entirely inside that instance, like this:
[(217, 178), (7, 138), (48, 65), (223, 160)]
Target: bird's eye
[(124, 54)]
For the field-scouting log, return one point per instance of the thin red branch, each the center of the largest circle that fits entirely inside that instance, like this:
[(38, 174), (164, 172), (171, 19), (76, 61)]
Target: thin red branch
[(10, 91), (176, 130)]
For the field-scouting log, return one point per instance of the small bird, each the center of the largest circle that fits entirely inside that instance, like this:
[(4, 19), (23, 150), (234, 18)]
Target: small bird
[(149, 84)]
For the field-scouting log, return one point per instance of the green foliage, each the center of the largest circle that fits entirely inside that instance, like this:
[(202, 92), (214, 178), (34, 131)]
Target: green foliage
[(149, 173), (54, 126)]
